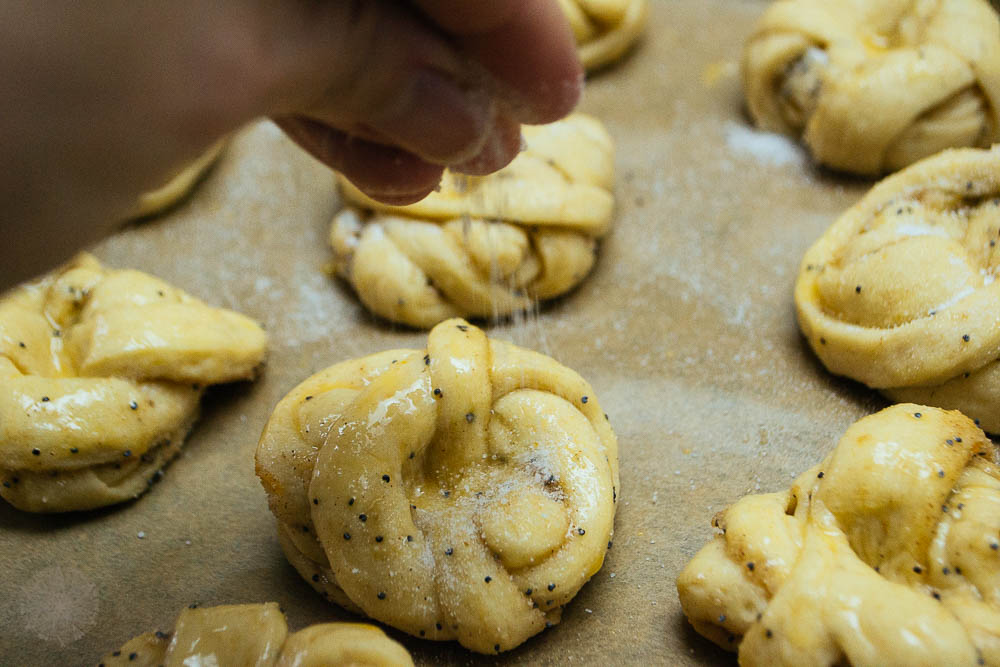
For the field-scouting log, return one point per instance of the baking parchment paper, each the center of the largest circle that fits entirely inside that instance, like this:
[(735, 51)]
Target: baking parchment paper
[(685, 328)]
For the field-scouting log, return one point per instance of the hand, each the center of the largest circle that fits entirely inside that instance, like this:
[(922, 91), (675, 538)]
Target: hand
[(101, 100), (389, 94)]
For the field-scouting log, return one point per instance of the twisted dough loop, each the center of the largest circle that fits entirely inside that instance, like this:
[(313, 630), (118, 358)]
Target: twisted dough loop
[(604, 29), (463, 492), (102, 371), (875, 86), (900, 292), (885, 553), (484, 246), (257, 634)]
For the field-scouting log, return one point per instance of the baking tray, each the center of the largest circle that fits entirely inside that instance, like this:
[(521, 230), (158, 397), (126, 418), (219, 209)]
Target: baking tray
[(685, 328)]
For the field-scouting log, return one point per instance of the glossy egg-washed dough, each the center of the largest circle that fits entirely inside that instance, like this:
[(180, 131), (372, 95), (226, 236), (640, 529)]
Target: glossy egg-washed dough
[(484, 246), (466, 491), (874, 85), (900, 293), (604, 29), (101, 372), (886, 553), (256, 635), (178, 187)]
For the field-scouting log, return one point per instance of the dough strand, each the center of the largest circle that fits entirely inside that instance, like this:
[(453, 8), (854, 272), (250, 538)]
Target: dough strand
[(179, 186)]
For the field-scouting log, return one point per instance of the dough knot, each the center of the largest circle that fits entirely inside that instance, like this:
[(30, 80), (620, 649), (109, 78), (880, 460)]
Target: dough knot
[(604, 29), (466, 491), (901, 293), (874, 86), (257, 634), (102, 371), (484, 246), (885, 553)]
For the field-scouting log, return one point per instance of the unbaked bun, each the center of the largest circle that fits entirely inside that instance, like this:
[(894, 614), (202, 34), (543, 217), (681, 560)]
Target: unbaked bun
[(884, 554), (179, 186), (874, 85), (257, 635), (484, 246), (604, 29), (101, 372), (900, 293), (466, 491)]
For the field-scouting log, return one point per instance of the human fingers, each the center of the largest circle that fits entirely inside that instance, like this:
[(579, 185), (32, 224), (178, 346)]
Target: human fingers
[(385, 173), (502, 145), (377, 68), (526, 46)]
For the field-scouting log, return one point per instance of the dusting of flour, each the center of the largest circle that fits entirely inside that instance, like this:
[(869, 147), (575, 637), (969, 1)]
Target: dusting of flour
[(765, 147), (58, 603)]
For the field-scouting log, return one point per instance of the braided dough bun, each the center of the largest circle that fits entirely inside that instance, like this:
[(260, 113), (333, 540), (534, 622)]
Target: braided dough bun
[(604, 29), (900, 294), (101, 372), (884, 554), (873, 86), (532, 234), (257, 635), (466, 491), (179, 186)]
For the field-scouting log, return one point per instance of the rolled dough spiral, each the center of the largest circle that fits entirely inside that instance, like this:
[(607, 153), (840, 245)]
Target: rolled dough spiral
[(900, 293)]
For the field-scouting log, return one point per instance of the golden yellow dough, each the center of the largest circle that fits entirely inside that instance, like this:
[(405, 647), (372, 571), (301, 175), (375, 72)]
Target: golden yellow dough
[(466, 491), (256, 635), (178, 187), (101, 372), (604, 29), (874, 85), (887, 553), (484, 246), (900, 292)]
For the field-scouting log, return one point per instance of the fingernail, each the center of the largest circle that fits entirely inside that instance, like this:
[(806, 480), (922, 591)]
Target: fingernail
[(441, 121), (399, 200), (399, 194)]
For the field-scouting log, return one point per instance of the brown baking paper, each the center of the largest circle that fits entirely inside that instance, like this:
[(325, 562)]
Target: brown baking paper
[(685, 328)]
